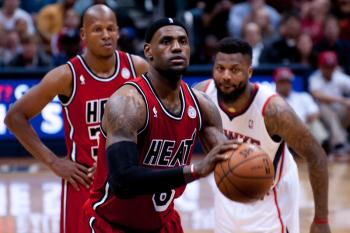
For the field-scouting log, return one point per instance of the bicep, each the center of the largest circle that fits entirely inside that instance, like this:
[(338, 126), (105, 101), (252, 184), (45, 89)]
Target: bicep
[(282, 121), (57, 81), (125, 114), (212, 132)]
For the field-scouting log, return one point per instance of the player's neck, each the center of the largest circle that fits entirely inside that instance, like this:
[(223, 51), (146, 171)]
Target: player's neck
[(103, 67), (241, 102), (166, 88)]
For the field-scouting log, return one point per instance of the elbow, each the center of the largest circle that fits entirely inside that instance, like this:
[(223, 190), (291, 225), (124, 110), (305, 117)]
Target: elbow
[(120, 186), (10, 120)]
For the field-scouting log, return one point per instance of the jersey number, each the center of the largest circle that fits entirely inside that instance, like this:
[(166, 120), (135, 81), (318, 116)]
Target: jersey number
[(162, 200), (94, 134)]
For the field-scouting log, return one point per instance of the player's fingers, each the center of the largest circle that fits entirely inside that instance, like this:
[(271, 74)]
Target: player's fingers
[(80, 180), (82, 168), (73, 183), (84, 176), (92, 169)]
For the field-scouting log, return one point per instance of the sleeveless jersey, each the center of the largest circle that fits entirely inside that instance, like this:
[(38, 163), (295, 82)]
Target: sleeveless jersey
[(249, 125), (83, 111), (166, 141)]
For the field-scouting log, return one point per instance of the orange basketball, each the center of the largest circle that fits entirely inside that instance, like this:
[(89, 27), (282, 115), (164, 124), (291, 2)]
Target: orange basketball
[(247, 175)]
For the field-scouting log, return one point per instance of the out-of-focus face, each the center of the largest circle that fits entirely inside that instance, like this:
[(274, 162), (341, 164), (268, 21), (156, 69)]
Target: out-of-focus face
[(21, 26), (169, 49), (292, 28), (327, 71), (252, 34), (11, 5), (284, 87), (100, 33), (29, 50), (72, 19), (331, 29), (305, 44), (344, 6), (231, 74)]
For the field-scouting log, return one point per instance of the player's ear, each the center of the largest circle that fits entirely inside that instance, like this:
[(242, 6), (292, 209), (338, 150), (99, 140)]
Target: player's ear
[(82, 34), (250, 71), (148, 51)]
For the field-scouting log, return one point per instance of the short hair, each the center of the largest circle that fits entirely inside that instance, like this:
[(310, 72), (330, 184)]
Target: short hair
[(232, 45)]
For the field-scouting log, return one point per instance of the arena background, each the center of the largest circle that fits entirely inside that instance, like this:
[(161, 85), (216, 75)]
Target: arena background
[(30, 193)]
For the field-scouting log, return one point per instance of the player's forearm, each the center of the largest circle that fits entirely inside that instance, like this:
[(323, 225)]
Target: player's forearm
[(318, 173), (127, 178), (26, 135)]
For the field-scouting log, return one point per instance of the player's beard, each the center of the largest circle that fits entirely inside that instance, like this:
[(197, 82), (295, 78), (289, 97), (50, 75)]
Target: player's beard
[(233, 95)]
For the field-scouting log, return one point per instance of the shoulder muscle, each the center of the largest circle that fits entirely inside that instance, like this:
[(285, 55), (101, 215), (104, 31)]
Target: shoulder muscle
[(125, 114)]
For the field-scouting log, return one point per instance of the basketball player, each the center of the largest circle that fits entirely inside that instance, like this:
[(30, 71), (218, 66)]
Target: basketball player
[(83, 85), (150, 128), (257, 115)]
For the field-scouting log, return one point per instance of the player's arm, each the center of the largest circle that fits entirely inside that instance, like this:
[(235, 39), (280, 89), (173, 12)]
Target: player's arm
[(282, 121), (140, 64), (125, 114), (57, 81), (212, 131)]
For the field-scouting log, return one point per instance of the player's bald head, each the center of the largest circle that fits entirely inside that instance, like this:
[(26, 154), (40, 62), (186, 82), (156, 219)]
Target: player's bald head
[(97, 11)]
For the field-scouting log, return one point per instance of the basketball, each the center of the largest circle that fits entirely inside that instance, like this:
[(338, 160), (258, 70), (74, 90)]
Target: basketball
[(247, 175)]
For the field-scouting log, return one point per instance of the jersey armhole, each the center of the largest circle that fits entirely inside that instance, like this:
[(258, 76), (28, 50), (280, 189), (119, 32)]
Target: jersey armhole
[(131, 64), (207, 85), (196, 102), (65, 100)]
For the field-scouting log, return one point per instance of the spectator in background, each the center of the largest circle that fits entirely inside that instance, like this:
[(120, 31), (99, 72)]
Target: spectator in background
[(341, 9), (252, 34), (50, 20), (329, 85), (306, 54), (332, 42), (262, 19), (313, 15), (21, 27), (10, 12), (284, 49), (66, 44), (30, 56), (301, 102), (12, 46), (240, 11)]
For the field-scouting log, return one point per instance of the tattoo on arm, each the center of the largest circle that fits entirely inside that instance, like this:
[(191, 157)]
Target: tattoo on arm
[(125, 114), (282, 121)]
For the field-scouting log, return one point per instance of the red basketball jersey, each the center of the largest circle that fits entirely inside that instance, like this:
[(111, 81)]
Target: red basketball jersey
[(84, 109), (166, 141)]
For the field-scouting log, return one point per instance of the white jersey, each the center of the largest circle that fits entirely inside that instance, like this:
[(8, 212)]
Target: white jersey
[(250, 126)]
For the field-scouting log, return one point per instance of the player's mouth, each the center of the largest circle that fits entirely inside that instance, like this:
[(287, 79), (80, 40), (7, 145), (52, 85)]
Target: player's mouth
[(178, 59), (107, 45)]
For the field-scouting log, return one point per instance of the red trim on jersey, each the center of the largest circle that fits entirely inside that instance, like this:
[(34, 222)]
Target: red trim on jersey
[(278, 210), (207, 85), (233, 115), (266, 102)]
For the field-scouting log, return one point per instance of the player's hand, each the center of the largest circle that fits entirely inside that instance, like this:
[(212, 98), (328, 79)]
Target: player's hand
[(320, 228), (217, 154), (73, 172)]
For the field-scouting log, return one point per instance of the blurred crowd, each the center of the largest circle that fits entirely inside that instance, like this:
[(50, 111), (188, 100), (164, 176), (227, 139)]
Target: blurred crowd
[(311, 33)]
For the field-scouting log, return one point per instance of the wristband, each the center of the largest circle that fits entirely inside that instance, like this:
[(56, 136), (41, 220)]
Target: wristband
[(321, 220)]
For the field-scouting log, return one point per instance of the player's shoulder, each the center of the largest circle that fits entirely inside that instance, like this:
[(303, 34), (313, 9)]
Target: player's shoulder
[(61, 75), (203, 85)]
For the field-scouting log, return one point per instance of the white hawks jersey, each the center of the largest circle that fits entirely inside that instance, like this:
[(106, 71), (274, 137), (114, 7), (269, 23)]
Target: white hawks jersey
[(278, 212)]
